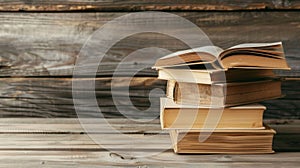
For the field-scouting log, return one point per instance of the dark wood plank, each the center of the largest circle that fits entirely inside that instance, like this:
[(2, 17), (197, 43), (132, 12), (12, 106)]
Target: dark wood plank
[(52, 97), (287, 134), (46, 44), (141, 5), (288, 106)]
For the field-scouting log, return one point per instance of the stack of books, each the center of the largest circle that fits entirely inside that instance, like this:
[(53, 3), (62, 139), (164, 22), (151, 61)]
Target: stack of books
[(212, 94)]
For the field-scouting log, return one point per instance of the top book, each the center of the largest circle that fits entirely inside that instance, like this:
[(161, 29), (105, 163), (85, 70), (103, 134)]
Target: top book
[(250, 55)]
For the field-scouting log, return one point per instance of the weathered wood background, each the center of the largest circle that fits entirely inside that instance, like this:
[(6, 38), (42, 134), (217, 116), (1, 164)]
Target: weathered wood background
[(40, 41), (39, 44)]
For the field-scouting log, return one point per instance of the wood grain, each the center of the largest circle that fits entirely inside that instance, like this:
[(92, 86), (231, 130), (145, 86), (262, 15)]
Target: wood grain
[(130, 5), (52, 97), (60, 142), (47, 44), (289, 104), (107, 159)]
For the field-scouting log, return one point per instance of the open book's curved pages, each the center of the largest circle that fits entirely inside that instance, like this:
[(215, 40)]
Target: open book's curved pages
[(249, 56)]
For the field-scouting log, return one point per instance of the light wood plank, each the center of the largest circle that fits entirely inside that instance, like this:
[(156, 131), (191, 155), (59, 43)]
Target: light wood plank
[(67, 134), (35, 149), (165, 159)]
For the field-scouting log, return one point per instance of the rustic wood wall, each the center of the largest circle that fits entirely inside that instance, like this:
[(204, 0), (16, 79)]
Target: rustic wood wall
[(40, 41)]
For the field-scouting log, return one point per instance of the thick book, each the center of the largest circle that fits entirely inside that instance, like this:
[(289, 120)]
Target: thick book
[(250, 55), (223, 94), (236, 141), (214, 76), (174, 116)]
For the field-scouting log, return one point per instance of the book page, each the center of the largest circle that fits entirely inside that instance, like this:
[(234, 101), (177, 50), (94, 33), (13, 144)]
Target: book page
[(213, 50), (250, 45)]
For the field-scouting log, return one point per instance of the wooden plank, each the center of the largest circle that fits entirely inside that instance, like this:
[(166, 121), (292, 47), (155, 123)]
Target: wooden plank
[(288, 106), (82, 142), (47, 148), (67, 134), (52, 97), (126, 126), (75, 121), (73, 126), (152, 5), (46, 44), (165, 159)]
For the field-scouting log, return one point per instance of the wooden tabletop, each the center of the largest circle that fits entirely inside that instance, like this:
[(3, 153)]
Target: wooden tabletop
[(58, 142)]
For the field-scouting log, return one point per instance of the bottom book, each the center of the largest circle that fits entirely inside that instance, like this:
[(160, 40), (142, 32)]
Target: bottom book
[(231, 141)]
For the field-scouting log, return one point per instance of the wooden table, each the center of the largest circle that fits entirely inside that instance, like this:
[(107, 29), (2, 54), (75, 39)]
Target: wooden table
[(58, 142)]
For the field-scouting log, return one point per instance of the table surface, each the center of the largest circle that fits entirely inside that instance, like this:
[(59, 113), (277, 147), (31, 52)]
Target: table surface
[(59, 142)]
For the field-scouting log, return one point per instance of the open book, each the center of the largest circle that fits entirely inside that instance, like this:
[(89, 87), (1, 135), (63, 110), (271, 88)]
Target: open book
[(250, 55)]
